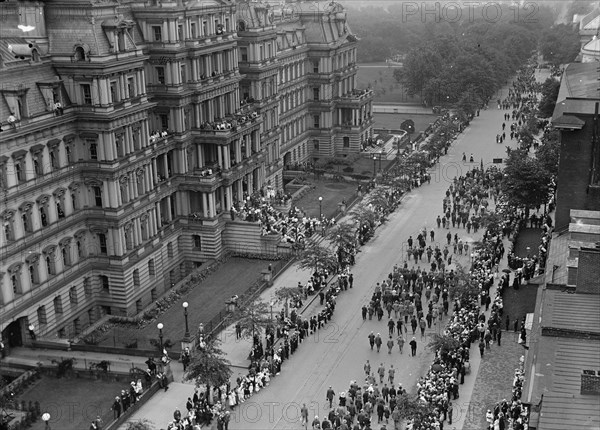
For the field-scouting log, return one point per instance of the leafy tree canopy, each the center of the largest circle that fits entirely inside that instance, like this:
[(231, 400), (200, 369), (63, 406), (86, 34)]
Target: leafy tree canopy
[(526, 183), (208, 365), (550, 89), (318, 258), (560, 44), (548, 153)]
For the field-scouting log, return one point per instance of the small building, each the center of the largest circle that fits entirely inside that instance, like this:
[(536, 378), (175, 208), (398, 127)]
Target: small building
[(562, 365)]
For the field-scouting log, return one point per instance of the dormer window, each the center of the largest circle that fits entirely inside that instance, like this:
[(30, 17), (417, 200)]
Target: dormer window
[(79, 54)]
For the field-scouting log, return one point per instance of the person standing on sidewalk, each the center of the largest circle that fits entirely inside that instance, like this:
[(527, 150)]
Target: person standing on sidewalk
[(481, 347), (413, 346), (390, 344), (499, 337)]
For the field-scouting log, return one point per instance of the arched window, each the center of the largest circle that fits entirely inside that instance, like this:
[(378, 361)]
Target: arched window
[(79, 54)]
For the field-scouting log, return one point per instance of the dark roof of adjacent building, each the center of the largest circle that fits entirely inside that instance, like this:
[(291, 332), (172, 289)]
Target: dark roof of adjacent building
[(564, 311), (579, 90), (560, 363), (568, 121), (575, 106)]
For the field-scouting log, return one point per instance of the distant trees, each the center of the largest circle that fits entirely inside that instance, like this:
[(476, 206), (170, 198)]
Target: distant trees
[(559, 44), (464, 70)]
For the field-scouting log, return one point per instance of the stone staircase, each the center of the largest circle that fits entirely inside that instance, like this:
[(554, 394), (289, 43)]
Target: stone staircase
[(243, 237)]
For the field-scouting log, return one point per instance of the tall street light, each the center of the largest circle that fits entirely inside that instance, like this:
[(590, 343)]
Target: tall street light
[(380, 157), (185, 314), (374, 165), (46, 419), (320, 207), (187, 341), (160, 326)]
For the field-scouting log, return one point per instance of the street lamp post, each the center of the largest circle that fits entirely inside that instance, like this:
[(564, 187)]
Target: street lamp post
[(46, 419), (185, 314), (160, 326), (374, 165), (380, 157), (187, 341), (320, 207)]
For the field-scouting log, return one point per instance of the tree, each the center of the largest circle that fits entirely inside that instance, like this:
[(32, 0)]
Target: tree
[(208, 365), (318, 259), (363, 215), (379, 197), (548, 153), (418, 67), (284, 295), (443, 343), (141, 424), (342, 235), (415, 410), (253, 317), (526, 183), (549, 91), (408, 126), (464, 288), (560, 44), (492, 221)]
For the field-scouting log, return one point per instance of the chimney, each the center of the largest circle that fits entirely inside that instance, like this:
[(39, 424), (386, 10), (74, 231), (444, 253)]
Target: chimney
[(590, 382)]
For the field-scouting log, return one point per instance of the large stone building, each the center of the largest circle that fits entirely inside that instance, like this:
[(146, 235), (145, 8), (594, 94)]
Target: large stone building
[(130, 128)]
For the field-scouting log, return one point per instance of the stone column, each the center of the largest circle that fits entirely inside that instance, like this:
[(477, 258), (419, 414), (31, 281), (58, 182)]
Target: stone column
[(166, 165), (158, 215), (154, 173), (205, 211)]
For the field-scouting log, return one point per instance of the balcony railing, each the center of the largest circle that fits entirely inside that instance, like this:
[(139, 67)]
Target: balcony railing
[(232, 123), (357, 94)]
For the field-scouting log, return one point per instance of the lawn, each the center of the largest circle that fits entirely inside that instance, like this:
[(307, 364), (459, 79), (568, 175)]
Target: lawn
[(364, 165), (206, 301), (380, 77), (393, 121), (73, 403), (518, 303), (528, 237), (332, 193)]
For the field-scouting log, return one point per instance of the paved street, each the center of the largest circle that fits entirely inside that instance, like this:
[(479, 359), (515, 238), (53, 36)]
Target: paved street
[(336, 354)]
